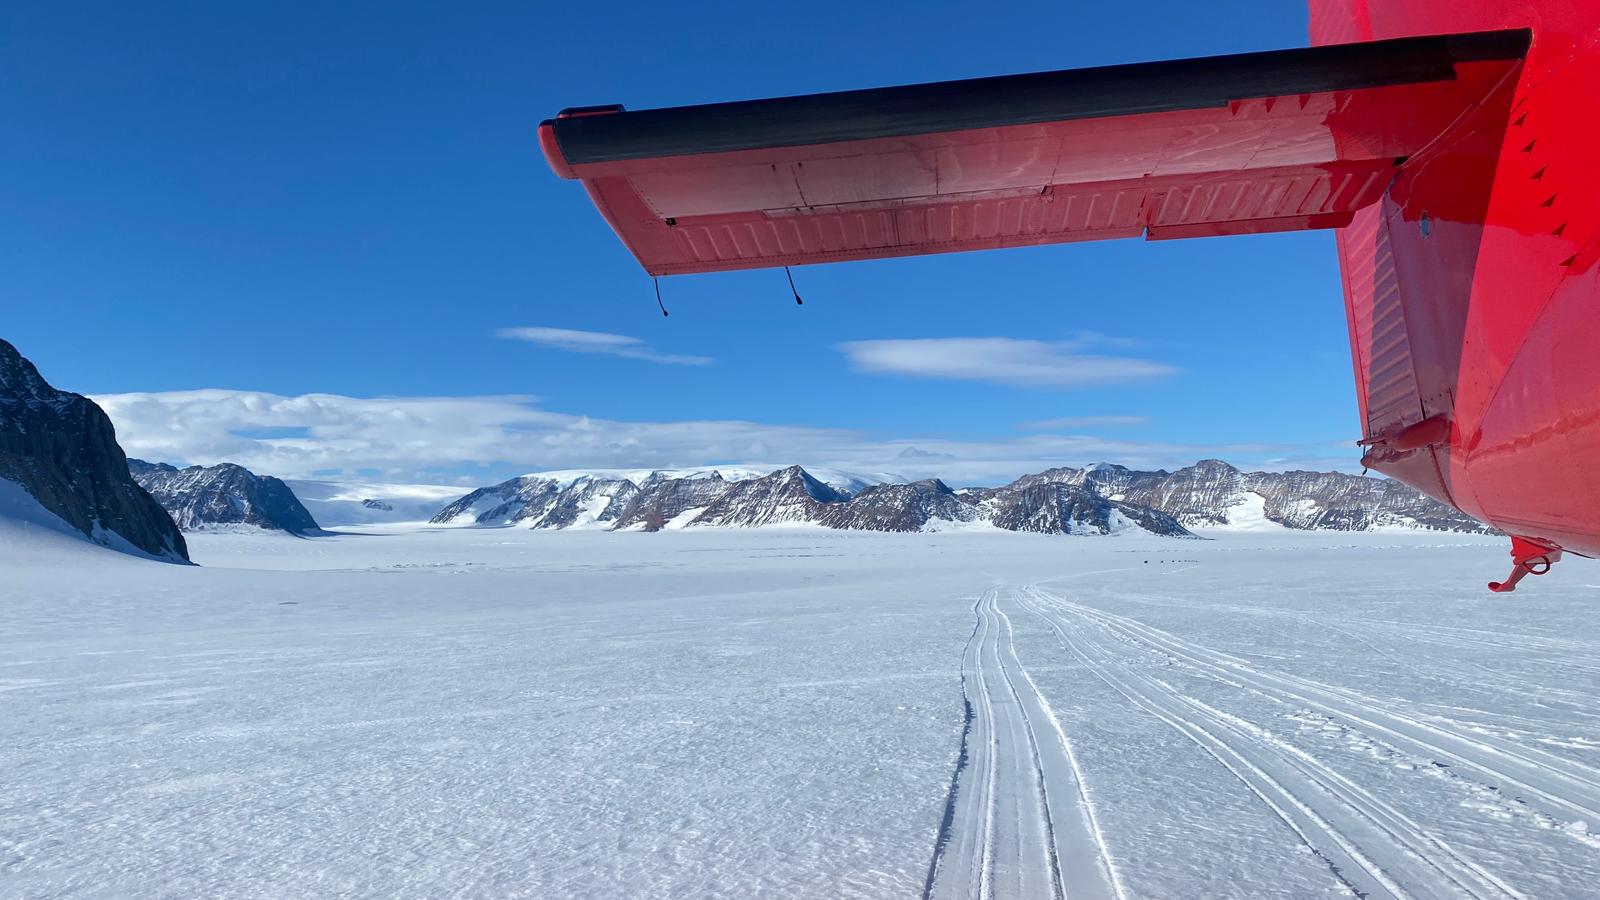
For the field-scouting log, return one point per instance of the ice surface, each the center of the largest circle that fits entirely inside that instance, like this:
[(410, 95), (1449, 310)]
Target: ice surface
[(336, 503), (702, 713)]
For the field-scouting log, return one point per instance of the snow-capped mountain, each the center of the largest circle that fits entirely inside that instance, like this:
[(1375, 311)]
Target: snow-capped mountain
[(787, 496), (563, 500), (588, 502), (505, 503), (1099, 499), (912, 506), (1214, 494), (791, 496), (1061, 508), (202, 498), (666, 501), (61, 449)]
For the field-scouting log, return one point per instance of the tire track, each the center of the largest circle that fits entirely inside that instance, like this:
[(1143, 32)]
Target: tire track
[(1556, 785), (1082, 857), (963, 757), (1574, 703), (1369, 845), (1352, 868), (1018, 823)]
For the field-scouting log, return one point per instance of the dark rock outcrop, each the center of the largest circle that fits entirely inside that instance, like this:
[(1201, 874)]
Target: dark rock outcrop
[(63, 450), (663, 498), (588, 501), (542, 502), (506, 503), (1335, 500), (1211, 493), (900, 507), (1054, 507), (786, 496)]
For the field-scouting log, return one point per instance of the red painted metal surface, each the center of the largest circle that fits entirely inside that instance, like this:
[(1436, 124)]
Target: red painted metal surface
[(1468, 211), (1255, 165), (1472, 287)]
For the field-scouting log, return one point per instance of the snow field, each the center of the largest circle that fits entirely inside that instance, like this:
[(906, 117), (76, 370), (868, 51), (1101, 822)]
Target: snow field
[(399, 711)]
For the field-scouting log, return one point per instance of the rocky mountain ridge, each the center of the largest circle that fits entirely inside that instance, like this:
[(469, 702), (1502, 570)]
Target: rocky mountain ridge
[(201, 498), (1099, 499), (789, 496), (1213, 494), (62, 449)]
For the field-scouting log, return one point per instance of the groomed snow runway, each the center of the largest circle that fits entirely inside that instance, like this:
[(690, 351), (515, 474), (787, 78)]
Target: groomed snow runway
[(496, 712)]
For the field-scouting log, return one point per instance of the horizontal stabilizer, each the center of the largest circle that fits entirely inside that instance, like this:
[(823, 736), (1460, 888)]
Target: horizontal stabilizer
[(1248, 143)]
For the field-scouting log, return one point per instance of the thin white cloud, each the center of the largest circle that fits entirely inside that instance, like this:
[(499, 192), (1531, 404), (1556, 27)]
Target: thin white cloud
[(481, 439), (1085, 422), (1008, 361), (598, 342)]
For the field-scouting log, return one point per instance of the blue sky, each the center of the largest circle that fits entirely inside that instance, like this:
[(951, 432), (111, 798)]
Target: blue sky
[(330, 220)]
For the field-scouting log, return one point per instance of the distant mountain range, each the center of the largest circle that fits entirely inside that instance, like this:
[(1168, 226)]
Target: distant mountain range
[(1100, 499), (211, 498), (61, 450)]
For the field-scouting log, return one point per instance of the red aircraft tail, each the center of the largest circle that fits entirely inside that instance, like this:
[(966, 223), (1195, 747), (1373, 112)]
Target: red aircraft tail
[(1471, 287)]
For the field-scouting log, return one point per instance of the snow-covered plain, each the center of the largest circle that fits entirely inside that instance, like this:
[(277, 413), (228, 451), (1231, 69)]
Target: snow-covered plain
[(796, 713)]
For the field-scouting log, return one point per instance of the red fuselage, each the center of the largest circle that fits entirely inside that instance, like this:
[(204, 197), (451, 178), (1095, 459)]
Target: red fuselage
[(1471, 288)]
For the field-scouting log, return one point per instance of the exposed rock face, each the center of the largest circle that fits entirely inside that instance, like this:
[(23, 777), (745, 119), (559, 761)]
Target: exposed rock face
[(63, 450), (1100, 499), (786, 496), (542, 502), (900, 507), (1351, 503), (662, 499), (1200, 494), (794, 496), (588, 501), (213, 497), (1212, 493), (505, 503), (1055, 507)]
